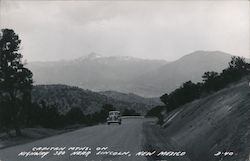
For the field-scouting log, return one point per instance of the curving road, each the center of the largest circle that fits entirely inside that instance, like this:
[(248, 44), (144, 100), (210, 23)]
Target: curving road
[(127, 137)]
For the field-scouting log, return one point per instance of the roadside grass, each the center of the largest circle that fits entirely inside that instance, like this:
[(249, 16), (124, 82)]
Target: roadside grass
[(33, 134)]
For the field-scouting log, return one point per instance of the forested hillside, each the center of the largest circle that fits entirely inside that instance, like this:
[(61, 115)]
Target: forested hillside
[(67, 97)]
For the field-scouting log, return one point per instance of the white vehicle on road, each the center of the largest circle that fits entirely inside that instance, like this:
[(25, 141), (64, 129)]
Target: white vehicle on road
[(114, 117)]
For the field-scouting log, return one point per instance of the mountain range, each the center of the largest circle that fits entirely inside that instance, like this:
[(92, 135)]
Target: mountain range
[(147, 78), (170, 76)]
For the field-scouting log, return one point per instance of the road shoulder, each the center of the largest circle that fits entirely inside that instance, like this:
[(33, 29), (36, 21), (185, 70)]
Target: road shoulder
[(156, 140)]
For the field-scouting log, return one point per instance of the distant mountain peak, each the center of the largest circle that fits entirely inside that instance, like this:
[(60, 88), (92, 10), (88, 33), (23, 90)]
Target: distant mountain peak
[(90, 56), (93, 55), (201, 54), (204, 52)]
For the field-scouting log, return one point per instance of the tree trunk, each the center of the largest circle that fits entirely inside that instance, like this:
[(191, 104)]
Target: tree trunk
[(16, 125), (18, 131), (15, 113)]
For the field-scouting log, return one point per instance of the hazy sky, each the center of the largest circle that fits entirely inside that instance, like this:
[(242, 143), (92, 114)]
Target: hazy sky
[(53, 30)]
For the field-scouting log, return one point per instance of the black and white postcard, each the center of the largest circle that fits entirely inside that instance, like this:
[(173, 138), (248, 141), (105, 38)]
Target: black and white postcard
[(124, 80)]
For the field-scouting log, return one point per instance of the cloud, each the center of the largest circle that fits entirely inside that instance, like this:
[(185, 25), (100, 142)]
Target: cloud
[(155, 30)]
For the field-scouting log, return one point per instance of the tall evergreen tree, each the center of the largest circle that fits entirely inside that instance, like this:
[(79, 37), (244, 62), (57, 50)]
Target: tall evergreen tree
[(15, 79)]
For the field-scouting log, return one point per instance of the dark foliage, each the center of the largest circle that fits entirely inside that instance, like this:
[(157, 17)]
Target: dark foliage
[(75, 116), (15, 82), (186, 93), (48, 116), (67, 97), (130, 112), (156, 111), (212, 81), (101, 116), (45, 116)]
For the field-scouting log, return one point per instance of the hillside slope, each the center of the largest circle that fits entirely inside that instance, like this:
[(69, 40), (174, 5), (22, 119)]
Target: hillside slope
[(220, 122), (67, 97), (132, 98), (170, 76)]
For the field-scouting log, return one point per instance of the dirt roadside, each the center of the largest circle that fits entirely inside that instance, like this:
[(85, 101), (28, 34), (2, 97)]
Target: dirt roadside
[(155, 140)]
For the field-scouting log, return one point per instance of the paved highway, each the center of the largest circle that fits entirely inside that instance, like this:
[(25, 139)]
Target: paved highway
[(123, 142)]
